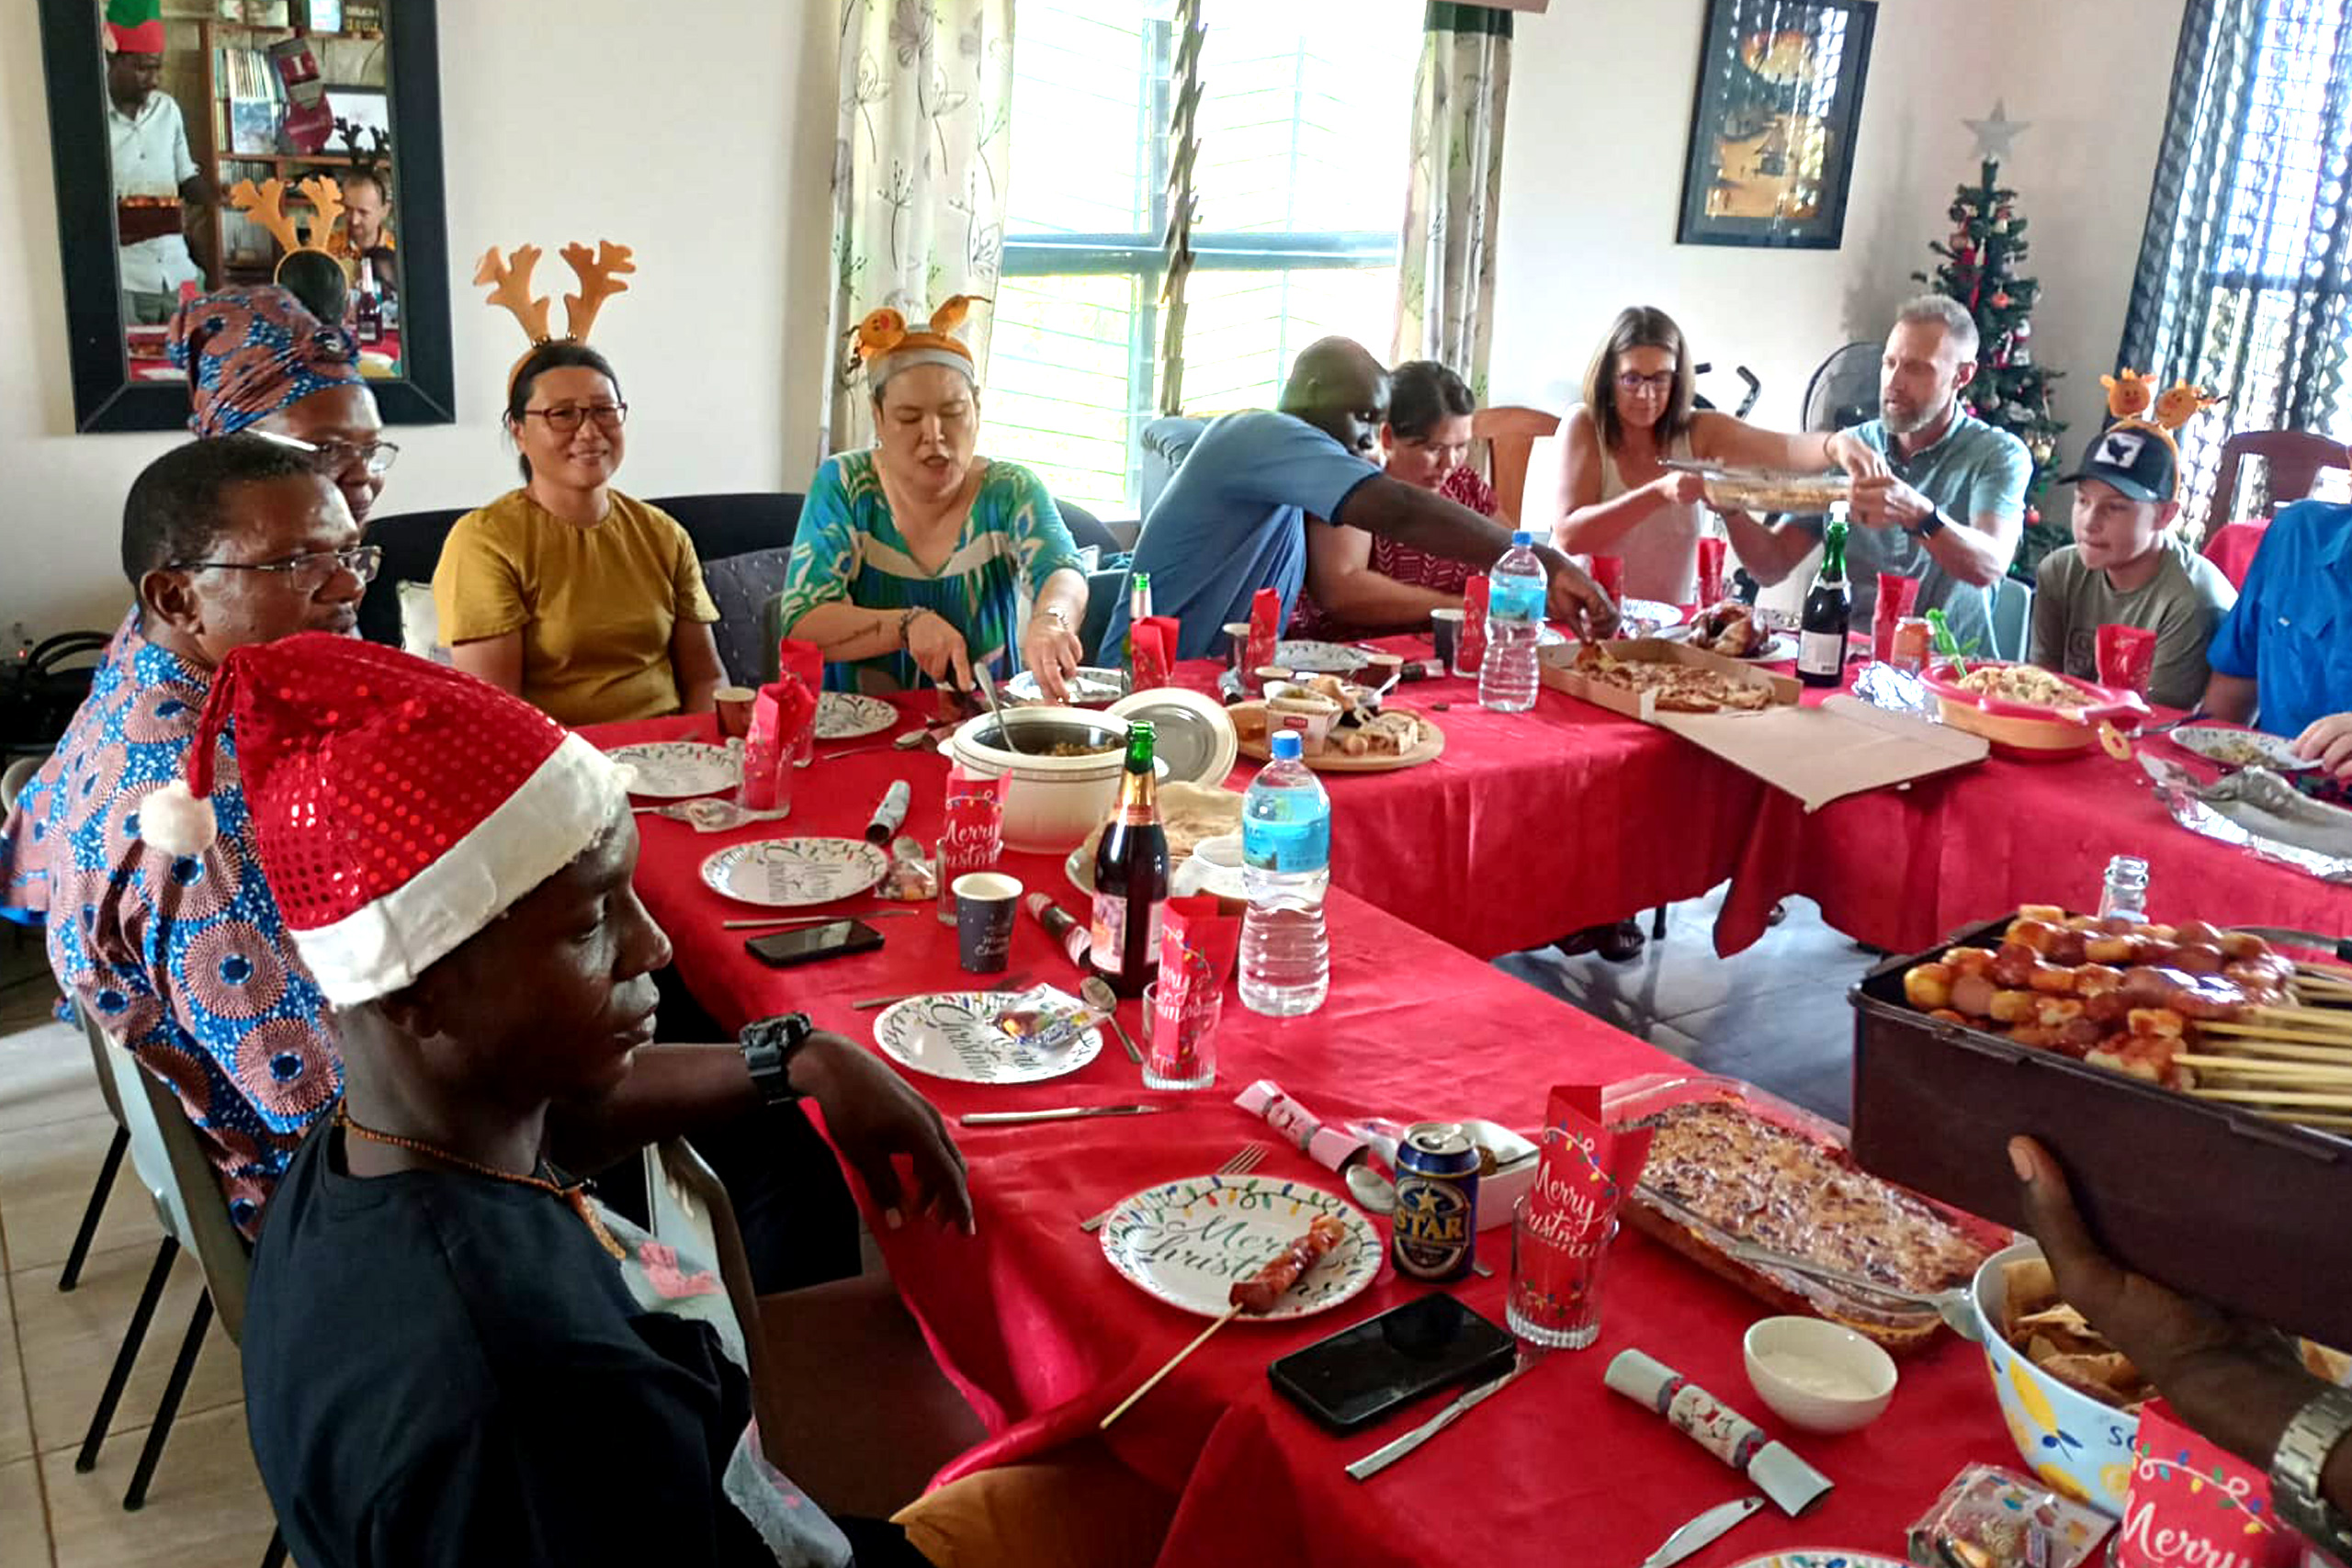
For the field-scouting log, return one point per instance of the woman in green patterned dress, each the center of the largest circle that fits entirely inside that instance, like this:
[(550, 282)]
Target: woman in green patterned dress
[(914, 556)]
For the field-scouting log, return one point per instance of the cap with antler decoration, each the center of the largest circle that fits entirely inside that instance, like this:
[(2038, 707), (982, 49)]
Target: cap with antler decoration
[(886, 346), (266, 204), (509, 280), (2136, 452)]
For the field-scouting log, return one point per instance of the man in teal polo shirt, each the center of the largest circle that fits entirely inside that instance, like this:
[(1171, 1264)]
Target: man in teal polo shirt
[(2283, 658), (1945, 501)]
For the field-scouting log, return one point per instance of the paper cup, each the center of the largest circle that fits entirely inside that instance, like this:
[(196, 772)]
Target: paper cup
[(735, 710), (2127, 657), (1712, 584), (986, 902), (1237, 645), (1311, 716), (1445, 626)]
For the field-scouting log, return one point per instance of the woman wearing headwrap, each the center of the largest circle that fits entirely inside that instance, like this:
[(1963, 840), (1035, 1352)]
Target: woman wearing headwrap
[(257, 360), (912, 556)]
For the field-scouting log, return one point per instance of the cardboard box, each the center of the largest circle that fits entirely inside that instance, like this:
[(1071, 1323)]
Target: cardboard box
[(1843, 747)]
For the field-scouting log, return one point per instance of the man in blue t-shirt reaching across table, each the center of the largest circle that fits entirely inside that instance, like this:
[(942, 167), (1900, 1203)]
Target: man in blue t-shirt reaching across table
[(1234, 518)]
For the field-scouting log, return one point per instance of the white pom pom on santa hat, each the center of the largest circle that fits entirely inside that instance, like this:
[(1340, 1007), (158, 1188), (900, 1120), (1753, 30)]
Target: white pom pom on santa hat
[(177, 821)]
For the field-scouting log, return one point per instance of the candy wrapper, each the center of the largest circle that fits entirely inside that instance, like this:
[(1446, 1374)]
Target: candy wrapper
[(974, 835), (1265, 630), (806, 662), (1153, 643), (781, 719), (1991, 1517), (910, 879), (1197, 944), (1330, 1147), (2192, 1504), (1582, 1175), (1047, 1018), (1473, 654)]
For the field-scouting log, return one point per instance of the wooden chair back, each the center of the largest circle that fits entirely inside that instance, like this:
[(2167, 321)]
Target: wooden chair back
[(2292, 460), (1510, 433)]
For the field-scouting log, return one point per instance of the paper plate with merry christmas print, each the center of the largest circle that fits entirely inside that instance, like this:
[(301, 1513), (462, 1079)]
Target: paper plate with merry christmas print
[(786, 874), (1187, 1242)]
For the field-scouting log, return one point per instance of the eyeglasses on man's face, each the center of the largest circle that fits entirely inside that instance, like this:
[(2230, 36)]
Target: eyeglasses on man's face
[(565, 418), (336, 458), (306, 573)]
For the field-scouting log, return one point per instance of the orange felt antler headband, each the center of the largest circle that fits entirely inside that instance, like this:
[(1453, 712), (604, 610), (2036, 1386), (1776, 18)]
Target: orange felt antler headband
[(265, 203), (885, 343), (509, 280)]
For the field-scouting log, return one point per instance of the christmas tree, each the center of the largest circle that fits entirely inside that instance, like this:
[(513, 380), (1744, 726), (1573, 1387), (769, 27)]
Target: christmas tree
[(1981, 269)]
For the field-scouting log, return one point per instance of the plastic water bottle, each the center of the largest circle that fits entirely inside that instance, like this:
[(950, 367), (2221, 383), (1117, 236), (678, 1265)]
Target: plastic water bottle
[(1287, 856), (1516, 590)]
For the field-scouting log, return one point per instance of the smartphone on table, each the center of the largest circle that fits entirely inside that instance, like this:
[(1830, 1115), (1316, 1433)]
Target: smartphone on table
[(1365, 1373), (809, 943)]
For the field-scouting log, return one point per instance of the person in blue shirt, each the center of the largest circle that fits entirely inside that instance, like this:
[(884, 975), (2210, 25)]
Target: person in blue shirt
[(1234, 518), (1938, 494), (2283, 658)]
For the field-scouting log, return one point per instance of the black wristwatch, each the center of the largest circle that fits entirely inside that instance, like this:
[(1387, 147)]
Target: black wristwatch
[(1930, 526), (769, 1044)]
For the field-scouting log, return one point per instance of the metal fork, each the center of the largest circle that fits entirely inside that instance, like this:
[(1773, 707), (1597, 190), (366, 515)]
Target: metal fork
[(1244, 1160)]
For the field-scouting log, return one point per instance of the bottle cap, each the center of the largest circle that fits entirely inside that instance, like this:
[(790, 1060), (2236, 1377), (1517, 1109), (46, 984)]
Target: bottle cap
[(1288, 746), (1521, 537)]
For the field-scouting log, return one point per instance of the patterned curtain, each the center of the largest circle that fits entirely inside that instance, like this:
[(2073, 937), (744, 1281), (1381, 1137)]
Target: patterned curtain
[(2245, 284), (1445, 284), (919, 176)]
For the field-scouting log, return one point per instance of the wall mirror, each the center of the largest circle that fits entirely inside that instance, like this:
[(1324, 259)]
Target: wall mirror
[(203, 143)]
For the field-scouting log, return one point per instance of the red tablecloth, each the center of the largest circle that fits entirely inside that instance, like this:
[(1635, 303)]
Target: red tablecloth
[(2232, 546), (1044, 1337)]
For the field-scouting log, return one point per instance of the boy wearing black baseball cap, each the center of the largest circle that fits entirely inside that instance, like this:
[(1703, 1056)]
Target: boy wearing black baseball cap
[(2127, 567)]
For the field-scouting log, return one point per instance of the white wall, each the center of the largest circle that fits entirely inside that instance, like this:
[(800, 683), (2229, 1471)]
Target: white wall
[(1592, 171), (704, 141)]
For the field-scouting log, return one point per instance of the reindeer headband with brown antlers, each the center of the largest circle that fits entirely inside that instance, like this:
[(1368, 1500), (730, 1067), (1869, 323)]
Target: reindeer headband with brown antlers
[(509, 279), (266, 204), (884, 345)]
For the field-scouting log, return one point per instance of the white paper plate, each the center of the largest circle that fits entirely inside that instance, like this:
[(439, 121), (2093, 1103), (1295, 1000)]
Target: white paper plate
[(846, 716), (1095, 686), (673, 770), (1822, 1557), (2214, 743), (954, 1035), (1186, 1242), (786, 874), (1319, 657)]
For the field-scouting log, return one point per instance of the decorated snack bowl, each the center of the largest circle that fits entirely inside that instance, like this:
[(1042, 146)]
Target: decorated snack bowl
[(1820, 1376), (2080, 1446), (1051, 802), (2032, 728)]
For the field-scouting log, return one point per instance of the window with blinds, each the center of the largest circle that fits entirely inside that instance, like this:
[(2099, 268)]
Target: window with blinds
[(1300, 181)]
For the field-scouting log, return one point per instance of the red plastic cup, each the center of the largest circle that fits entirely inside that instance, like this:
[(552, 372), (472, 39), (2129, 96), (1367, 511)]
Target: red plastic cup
[(1609, 575), (2127, 657), (1896, 597), (1712, 586)]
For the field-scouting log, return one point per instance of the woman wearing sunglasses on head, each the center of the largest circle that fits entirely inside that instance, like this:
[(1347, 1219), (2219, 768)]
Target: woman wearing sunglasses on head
[(585, 603), (1617, 498)]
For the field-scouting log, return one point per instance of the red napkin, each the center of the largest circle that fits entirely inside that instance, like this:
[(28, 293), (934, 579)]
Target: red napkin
[(1154, 640), (1265, 632), (1473, 652), (1582, 1175), (782, 716), (1197, 944), (2125, 658), (2191, 1502), (805, 660)]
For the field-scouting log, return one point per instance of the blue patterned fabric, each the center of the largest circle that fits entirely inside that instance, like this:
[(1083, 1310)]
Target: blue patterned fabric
[(249, 351), (185, 962)]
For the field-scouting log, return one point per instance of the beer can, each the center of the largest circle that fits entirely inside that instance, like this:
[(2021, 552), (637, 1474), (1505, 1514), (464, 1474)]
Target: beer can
[(1434, 1232)]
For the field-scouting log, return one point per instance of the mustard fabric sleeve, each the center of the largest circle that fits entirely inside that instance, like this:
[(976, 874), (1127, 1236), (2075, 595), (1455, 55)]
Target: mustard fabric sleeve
[(478, 585)]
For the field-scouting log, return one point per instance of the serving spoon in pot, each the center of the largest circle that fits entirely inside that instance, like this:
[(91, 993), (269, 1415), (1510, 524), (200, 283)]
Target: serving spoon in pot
[(988, 694)]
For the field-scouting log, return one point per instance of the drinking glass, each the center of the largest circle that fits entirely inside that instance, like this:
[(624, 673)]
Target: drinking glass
[(1555, 1288)]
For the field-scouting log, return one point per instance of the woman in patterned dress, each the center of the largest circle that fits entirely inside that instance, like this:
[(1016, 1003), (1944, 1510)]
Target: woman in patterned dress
[(914, 557), (1360, 585)]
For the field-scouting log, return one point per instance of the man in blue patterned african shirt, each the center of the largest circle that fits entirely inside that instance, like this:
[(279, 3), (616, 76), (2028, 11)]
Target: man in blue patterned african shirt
[(184, 961)]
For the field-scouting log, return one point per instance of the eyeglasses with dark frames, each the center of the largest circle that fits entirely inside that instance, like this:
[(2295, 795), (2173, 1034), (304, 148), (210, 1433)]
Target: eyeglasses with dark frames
[(566, 419), (309, 571), (1633, 381)]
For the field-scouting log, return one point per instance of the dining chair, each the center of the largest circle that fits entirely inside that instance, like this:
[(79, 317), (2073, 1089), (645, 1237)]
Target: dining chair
[(2291, 463), (179, 1179), (1510, 433), (108, 1168)]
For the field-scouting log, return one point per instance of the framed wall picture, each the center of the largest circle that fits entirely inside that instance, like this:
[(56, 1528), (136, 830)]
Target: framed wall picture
[(1773, 125)]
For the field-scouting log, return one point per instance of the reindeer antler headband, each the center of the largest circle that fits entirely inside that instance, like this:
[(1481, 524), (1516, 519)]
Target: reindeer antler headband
[(886, 346), (509, 279), (266, 204), (2132, 399)]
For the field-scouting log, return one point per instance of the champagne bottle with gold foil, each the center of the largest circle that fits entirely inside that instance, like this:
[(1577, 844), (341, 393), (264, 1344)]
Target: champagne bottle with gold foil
[(1131, 876)]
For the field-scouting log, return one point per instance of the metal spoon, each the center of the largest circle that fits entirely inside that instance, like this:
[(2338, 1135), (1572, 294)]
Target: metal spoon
[(1004, 730), (1098, 994)]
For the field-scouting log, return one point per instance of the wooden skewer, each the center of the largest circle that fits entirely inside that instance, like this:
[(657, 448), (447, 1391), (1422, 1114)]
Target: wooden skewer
[(2254, 1068), (2323, 969), (2264, 1047), (1153, 1382), (2304, 1018), (2272, 1032), (2317, 1099)]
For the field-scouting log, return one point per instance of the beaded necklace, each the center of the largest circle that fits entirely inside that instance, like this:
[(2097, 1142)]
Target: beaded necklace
[(576, 1195)]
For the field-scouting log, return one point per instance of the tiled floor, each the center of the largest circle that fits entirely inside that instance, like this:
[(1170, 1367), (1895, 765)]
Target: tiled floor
[(205, 1507)]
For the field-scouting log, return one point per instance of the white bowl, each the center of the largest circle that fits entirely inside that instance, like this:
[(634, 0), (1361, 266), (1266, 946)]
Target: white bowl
[(1817, 1375), (1052, 802)]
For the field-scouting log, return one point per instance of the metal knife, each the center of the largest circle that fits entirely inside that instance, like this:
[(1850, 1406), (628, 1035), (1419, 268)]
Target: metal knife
[(2339, 945), (1389, 1453), (1704, 1530), (1062, 1113)]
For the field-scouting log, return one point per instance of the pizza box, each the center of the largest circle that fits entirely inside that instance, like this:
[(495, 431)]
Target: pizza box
[(1818, 754), (2210, 1199)]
